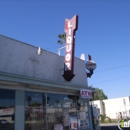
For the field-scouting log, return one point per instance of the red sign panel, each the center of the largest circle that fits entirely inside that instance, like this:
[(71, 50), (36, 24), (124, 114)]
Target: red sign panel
[(70, 27)]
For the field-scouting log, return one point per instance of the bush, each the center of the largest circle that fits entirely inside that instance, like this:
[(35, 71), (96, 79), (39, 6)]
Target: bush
[(103, 118)]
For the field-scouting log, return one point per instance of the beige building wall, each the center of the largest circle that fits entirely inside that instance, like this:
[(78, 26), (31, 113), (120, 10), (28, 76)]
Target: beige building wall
[(100, 106), (112, 107)]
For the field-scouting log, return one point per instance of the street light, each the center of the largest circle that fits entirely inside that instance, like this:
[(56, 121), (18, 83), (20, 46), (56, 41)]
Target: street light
[(60, 49)]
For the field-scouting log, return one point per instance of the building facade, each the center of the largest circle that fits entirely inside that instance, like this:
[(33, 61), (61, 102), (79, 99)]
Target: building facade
[(33, 93), (115, 107)]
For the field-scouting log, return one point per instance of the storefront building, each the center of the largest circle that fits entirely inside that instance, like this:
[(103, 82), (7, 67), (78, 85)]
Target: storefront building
[(33, 93)]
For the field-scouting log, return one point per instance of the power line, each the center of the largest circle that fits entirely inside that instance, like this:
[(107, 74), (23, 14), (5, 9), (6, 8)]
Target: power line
[(113, 68), (112, 80), (98, 70)]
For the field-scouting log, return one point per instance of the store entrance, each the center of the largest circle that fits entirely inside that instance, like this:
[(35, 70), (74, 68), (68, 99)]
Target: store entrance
[(69, 110), (69, 114), (76, 116), (83, 115)]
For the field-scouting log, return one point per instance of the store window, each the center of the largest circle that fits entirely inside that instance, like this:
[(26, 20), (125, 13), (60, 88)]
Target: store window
[(7, 105), (35, 111), (54, 110), (83, 114), (70, 111)]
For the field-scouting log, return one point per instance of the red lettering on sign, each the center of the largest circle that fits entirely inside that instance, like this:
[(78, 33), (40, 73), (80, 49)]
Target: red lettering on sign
[(86, 93), (89, 93)]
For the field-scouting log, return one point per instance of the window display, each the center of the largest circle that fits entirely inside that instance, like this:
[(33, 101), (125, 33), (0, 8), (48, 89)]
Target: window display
[(55, 111)]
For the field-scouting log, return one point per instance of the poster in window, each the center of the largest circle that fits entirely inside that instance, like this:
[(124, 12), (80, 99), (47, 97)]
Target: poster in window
[(73, 123), (66, 119), (84, 122), (58, 127)]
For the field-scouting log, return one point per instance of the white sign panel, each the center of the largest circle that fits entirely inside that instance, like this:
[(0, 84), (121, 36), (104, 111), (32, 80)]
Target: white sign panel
[(90, 65), (84, 93), (84, 122), (58, 127)]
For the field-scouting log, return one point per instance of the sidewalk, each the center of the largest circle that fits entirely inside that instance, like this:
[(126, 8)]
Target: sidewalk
[(109, 124)]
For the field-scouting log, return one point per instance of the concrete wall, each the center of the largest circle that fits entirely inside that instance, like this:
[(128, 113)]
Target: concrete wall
[(100, 106), (22, 59), (112, 107)]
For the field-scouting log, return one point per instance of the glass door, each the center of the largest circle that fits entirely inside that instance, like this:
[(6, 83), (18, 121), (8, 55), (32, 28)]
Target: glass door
[(70, 117), (54, 111), (83, 115)]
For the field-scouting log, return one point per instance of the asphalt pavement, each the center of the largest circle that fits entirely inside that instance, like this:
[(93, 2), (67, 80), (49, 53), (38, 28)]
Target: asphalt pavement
[(111, 127)]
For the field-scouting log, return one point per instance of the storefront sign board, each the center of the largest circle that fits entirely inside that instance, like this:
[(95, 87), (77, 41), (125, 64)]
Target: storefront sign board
[(85, 93)]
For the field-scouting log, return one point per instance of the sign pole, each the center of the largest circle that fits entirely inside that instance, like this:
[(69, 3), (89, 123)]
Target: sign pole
[(125, 107), (91, 100)]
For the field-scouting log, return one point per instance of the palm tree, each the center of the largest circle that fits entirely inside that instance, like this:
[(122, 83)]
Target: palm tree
[(29, 99), (62, 38)]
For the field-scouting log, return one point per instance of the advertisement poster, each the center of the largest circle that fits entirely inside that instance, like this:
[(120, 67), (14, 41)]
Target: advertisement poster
[(58, 127), (82, 115), (73, 123), (84, 122), (66, 119)]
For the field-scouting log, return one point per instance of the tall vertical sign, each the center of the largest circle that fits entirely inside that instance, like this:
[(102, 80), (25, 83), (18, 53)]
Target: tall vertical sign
[(70, 28)]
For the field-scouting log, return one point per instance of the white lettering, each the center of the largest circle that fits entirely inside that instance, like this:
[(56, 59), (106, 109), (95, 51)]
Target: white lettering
[(69, 31), (68, 47), (69, 25), (68, 57), (67, 66), (69, 40)]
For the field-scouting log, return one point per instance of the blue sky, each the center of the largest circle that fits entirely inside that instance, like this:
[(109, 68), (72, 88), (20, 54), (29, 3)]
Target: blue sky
[(103, 32)]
